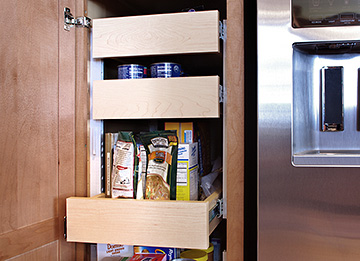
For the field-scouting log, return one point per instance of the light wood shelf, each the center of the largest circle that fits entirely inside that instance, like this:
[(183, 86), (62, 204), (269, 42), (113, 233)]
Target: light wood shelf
[(166, 223), (180, 97), (177, 33)]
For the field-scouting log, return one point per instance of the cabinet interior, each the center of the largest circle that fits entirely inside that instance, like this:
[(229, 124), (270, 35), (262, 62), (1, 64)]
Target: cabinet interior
[(206, 64)]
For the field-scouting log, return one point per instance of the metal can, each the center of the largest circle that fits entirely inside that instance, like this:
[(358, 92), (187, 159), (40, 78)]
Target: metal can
[(197, 255), (130, 71), (165, 70)]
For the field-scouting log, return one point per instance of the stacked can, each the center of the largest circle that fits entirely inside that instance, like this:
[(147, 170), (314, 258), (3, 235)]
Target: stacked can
[(165, 70), (131, 71)]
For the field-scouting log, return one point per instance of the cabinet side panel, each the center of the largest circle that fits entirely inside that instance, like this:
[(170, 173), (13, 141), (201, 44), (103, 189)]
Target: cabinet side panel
[(235, 130)]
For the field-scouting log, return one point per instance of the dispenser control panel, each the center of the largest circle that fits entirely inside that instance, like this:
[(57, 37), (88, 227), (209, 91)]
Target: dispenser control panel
[(317, 13)]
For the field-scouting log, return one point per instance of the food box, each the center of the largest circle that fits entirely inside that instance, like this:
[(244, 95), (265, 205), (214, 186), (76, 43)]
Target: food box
[(148, 257), (187, 172), (113, 251), (171, 253), (185, 130)]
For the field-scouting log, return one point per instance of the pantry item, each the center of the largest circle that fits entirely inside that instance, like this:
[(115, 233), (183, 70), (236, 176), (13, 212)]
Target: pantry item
[(131, 71), (170, 253), (148, 257), (210, 252), (161, 149), (123, 173), (197, 255), (165, 70)]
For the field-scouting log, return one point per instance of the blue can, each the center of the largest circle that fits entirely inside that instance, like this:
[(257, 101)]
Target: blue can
[(165, 70), (131, 71)]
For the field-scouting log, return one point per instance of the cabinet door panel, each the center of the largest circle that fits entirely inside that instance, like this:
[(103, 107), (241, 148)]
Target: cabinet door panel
[(193, 32), (32, 192)]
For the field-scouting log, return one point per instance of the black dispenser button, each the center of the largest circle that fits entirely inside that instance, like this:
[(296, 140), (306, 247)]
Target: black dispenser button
[(332, 98)]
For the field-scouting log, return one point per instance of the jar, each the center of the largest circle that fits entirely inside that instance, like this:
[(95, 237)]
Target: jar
[(196, 254), (210, 252)]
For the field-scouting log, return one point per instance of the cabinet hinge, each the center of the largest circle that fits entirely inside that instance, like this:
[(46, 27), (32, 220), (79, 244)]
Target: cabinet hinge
[(222, 31), (65, 227), (70, 21), (217, 211)]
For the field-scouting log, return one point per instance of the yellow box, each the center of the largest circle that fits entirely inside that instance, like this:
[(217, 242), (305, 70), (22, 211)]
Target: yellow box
[(187, 132), (174, 126)]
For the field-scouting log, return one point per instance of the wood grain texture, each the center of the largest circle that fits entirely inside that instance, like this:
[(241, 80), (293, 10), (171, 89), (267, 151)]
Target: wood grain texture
[(235, 130), (66, 123), (194, 32), (47, 252), (182, 224), (29, 139), (28, 113), (28, 238), (82, 51), (82, 100), (182, 97)]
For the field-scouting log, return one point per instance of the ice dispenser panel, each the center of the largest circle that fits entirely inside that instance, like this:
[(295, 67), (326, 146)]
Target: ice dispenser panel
[(325, 104), (332, 98)]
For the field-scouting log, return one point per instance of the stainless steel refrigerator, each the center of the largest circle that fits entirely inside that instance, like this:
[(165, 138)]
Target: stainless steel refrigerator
[(308, 60)]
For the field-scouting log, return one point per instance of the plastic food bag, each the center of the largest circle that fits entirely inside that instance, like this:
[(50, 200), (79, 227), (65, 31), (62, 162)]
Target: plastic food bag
[(161, 149), (124, 175)]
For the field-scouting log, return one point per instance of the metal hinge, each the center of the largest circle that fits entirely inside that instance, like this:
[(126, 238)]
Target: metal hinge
[(222, 30), (221, 94), (65, 227), (220, 207), (70, 21), (217, 210)]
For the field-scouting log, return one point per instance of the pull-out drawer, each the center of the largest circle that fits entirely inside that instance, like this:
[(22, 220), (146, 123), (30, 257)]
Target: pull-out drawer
[(188, 32), (181, 224), (180, 97)]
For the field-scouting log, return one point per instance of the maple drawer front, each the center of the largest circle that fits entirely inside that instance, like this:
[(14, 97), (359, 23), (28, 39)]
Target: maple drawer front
[(180, 97), (181, 224), (176, 33)]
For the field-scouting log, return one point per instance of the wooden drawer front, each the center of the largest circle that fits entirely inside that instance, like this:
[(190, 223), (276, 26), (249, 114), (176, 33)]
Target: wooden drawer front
[(193, 32), (182, 97), (182, 224)]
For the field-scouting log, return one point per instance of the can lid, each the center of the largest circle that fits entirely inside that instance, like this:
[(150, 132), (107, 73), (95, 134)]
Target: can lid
[(196, 254), (163, 63), (210, 249), (130, 65)]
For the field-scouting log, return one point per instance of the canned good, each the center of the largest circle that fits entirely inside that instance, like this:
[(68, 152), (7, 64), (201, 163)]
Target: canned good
[(210, 252), (131, 71), (197, 255), (165, 70)]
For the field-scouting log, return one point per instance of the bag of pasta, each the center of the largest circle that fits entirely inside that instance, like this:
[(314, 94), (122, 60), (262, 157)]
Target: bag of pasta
[(124, 172), (161, 149)]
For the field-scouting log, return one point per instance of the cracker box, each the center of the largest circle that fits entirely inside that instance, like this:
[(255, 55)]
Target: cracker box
[(187, 184), (148, 257), (171, 253), (187, 132), (113, 251), (184, 130)]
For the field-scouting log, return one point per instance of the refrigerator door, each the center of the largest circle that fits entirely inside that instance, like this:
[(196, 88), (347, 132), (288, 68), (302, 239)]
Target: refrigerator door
[(308, 179)]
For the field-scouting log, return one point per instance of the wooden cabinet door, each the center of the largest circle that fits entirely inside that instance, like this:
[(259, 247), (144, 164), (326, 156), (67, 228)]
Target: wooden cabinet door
[(37, 129)]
